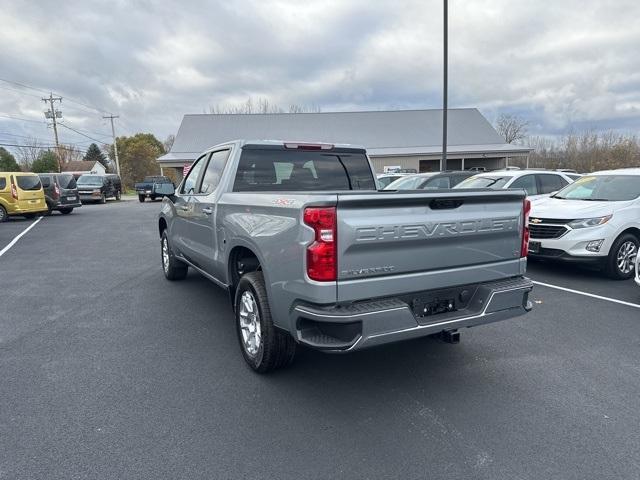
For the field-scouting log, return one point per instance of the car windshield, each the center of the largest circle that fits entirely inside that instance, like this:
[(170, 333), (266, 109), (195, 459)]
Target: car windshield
[(406, 183), (66, 181), (495, 183), (384, 181), (28, 182), (605, 188), (90, 180)]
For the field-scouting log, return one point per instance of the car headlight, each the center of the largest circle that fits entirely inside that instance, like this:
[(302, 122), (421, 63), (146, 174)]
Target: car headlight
[(589, 222)]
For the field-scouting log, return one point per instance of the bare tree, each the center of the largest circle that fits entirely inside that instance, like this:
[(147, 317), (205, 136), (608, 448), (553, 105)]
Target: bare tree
[(28, 153), (168, 143), (511, 127), (262, 105), (69, 153)]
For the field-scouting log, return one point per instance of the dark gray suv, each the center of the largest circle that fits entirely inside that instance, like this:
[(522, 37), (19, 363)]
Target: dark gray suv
[(60, 192)]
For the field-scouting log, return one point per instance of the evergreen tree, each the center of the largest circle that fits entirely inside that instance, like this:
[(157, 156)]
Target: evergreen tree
[(45, 163), (7, 161), (94, 154)]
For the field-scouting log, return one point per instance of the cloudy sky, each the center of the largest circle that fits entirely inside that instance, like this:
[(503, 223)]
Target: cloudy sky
[(562, 64)]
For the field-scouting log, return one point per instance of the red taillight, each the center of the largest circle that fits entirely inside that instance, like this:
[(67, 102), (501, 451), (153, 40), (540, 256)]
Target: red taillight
[(14, 190), (322, 262), (525, 228), (56, 189)]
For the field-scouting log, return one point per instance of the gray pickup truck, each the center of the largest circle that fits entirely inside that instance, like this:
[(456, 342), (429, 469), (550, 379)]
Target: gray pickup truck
[(311, 253)]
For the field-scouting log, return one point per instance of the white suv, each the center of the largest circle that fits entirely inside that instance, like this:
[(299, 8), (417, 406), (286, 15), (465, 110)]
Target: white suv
[(596, 220), (537, 183)]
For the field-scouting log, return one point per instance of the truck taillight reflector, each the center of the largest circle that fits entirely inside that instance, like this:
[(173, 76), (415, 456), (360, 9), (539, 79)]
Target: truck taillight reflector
[(526, 210), (56, 189), (322, 262), (14, 190)]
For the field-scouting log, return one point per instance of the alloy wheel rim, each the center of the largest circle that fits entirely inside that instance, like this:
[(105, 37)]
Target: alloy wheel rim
[(2, 213), (165, 255), (250, 324), (626, 255)]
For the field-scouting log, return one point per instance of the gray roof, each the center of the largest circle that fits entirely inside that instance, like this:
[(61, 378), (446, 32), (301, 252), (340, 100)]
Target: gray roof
[(397, 132)]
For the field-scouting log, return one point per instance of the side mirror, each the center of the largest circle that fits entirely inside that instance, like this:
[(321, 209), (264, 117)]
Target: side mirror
[(164, 188)]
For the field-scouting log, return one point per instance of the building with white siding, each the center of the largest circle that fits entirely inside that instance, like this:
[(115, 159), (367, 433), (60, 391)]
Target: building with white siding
[(409, 139)]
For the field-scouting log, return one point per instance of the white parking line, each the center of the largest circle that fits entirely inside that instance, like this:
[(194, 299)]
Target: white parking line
[(578, 292), (18, 237)]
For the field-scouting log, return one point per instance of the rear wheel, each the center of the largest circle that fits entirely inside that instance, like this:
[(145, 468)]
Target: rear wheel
[(263, 346), (3, 214), (620, 262), (141, 198), (173, 268), (66, 211)]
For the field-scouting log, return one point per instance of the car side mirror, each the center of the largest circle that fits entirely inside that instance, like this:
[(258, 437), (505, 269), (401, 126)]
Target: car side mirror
[(164, 188)]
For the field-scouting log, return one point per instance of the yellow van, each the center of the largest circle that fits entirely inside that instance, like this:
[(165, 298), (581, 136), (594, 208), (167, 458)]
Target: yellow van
[(21, 194)]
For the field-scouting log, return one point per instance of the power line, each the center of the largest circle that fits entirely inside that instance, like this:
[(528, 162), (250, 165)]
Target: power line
[(80, 133), (29, 137), (13, 117), (43, 147), (21, 92)]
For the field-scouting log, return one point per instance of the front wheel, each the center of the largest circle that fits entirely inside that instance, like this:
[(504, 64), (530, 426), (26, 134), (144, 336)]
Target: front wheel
[(173, 268), (263, 346), (141, 198), (620, 262)]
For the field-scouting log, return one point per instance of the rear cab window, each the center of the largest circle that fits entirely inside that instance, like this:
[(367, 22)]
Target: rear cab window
[(272, 168), (66, 181)]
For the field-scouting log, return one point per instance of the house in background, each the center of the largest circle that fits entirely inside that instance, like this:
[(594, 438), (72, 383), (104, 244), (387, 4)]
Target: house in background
[(77, 168), (408, 139)]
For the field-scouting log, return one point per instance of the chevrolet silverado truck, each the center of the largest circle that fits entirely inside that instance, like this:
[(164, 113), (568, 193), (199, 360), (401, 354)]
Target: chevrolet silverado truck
[(311, 253)]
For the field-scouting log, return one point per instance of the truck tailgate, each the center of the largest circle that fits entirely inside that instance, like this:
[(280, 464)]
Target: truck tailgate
[(399, 242)]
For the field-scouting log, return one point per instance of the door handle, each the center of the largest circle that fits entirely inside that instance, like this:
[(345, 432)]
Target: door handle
[(207, 210)]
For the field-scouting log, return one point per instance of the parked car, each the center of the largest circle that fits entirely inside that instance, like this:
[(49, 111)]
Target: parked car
[(385, 179), (594, 220), (96, 188), (60, 192), (117, 184), (638, 268), (21, 194), (311, 253), (537, 183), (147, 188), (429, 181)]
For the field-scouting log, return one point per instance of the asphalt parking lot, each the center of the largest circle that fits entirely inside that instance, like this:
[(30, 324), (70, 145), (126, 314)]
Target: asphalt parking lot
[(107, 370)]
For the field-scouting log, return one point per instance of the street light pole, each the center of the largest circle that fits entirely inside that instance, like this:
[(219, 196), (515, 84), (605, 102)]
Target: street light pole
[(443, 163)]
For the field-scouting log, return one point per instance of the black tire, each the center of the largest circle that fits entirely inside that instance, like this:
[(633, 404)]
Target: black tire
[(66, 211), (141, 198), (103, 199), (276, 348), (173, 268), (118, 195), (620, 248), (3, 214)]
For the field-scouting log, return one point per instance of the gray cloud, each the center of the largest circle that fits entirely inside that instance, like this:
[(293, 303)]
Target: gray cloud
[(569, 64)]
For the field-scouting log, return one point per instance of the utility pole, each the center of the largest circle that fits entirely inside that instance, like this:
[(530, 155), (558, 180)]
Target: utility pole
[(53, 114), (115, 144), (443, 163)]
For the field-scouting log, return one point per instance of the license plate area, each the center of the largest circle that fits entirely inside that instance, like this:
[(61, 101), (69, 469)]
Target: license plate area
[(433, 305), (534, 247), (71, 199)]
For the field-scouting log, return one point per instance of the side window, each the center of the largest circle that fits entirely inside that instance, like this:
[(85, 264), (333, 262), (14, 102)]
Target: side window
[(436, 183), (3, 183), (213, 173), (528, 182), (189, 184), (551, 183), (46, 181)]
